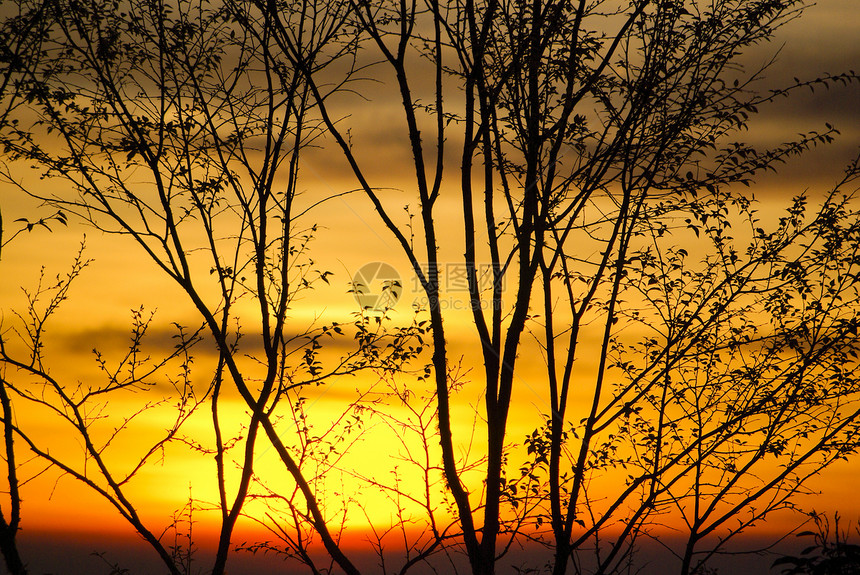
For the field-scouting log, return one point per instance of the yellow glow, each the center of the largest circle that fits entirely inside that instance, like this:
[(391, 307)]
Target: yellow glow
[(384, 448)]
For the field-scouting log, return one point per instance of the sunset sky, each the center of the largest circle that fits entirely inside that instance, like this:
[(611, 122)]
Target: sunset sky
[(60, 514)]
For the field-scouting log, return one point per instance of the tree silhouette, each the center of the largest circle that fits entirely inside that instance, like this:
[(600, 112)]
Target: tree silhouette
[(592, 141), (695, 358), (830, 553), (175, 128)]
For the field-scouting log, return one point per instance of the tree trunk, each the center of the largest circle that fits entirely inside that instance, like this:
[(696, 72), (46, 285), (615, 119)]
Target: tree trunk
[(9, 548)]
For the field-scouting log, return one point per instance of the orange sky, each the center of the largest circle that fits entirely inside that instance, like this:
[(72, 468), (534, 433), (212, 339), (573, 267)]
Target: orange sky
[(119, 279)]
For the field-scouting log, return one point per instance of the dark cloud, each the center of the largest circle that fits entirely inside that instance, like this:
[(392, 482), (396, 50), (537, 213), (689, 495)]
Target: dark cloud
[(162, 341)]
